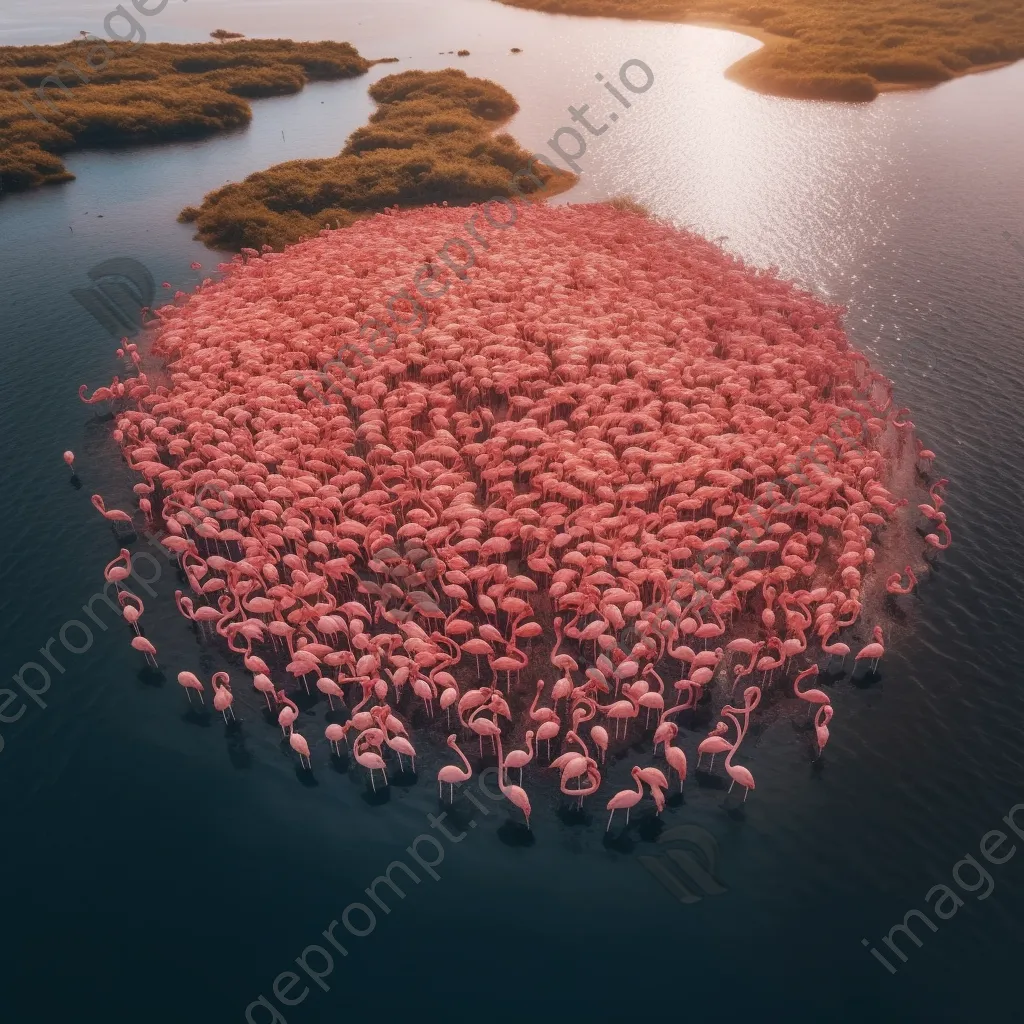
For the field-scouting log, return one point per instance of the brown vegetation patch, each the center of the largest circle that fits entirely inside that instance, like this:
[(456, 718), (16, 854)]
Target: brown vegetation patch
[(129, 94), (841, 49), (429, 141)]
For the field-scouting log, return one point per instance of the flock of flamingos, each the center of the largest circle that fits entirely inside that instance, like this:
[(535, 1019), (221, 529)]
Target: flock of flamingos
[(615, 470)]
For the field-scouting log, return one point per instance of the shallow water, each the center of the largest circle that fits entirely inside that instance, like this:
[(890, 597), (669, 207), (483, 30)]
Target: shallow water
[(159, 865)]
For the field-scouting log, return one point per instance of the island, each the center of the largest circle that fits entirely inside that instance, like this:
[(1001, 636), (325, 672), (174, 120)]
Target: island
[(840, 49), (431, 140), (55, 99)]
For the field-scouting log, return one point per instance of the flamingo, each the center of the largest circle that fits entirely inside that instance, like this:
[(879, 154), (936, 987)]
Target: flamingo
[(191, 682), (843, 650), (714, 744), (222, 695), (263, 683), (821, 719), (521, 758), (626, 798), (655, 779), (452, 773), (331, 688), (368, 759), (301, 747), (812, 697), (288, 714), (516, 795), (894, 584), (335, 734), (114, 515), (675, 756), (737, 772), (140, 643), (872, 652)]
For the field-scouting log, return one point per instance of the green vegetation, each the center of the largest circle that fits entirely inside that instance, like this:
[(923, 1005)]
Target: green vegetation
[(429, 141), (841, 49), (109, 94)]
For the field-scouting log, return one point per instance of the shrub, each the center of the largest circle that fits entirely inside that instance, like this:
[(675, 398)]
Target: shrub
[(841, 49), (429, 141), (154, 92)]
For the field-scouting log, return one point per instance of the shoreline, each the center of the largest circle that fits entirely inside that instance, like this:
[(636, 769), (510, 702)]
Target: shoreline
[(769, 39), (776, 85)]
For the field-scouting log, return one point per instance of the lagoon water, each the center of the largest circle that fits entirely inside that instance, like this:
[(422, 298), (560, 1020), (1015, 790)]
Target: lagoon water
[(157, 868)]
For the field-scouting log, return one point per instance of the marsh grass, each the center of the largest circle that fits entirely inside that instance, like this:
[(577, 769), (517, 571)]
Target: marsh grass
[(431, 140), (841, 49), (148, 93)]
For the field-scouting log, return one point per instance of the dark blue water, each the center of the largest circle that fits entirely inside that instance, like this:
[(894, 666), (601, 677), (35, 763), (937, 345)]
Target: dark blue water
[(159, 866)]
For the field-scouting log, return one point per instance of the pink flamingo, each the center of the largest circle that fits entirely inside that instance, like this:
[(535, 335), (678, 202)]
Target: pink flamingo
[(768, 664), (265, 686), (655, 779), (118, 569), (368, 759), (301, 747), (114, 515), (626, 798), (452, 773), (99, 395), (840, 649), (483, 726), (714, 744), (675, 756), (140, 643), (894, 584), (223, 698), (399, 744), (547, 731), (335, 734), (812, 697), (191, 682), (874, 651), (331, 688), (754, 651), (737, 772), (288, 714), (131, 608), (514, 794), (821, 719), (521, 758)]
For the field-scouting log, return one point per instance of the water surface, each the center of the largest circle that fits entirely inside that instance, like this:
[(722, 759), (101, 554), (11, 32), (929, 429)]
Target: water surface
[(161, 867)]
